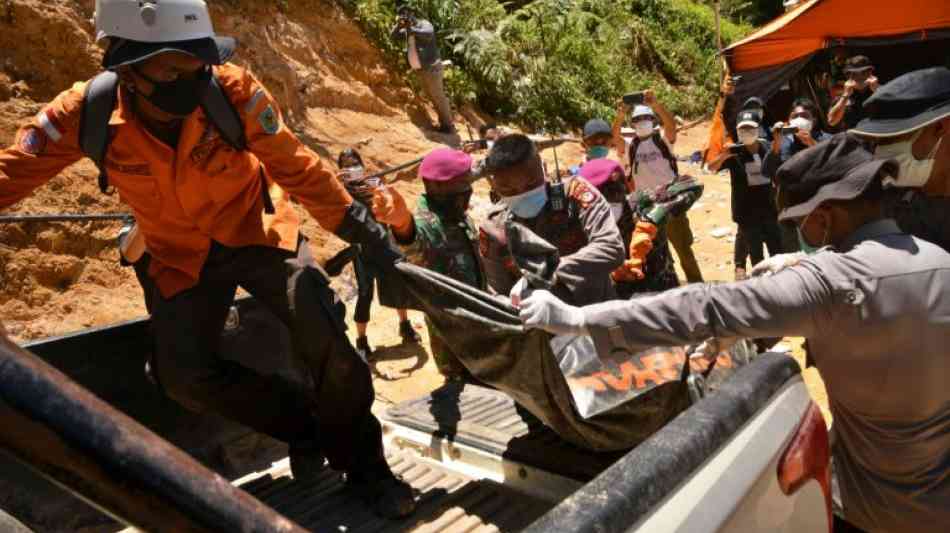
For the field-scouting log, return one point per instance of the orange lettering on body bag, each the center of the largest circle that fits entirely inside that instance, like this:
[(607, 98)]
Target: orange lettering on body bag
[(658, 368)]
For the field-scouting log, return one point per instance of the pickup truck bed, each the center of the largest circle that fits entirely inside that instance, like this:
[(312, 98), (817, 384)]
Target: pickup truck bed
[(478, 461), (461, 448), (447, 501)]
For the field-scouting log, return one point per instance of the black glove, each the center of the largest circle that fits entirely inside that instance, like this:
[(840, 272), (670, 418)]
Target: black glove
[(334, 265), (359, 227)]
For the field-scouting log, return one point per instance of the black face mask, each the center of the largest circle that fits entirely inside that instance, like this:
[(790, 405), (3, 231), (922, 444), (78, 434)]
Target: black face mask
[(614, 191), (451, 206), (178, 97)]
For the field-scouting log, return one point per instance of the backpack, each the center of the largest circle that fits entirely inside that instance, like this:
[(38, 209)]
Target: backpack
[(99, 102), (664, 150)]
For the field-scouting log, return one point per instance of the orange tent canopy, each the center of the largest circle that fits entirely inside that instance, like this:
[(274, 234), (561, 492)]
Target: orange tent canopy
[(816, 23)]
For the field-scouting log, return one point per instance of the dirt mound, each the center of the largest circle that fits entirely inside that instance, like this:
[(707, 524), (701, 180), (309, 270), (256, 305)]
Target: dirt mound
[(334, 88)]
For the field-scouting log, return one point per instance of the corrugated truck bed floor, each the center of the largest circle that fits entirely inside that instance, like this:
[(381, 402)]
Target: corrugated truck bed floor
[(447, 501), (491, 421)]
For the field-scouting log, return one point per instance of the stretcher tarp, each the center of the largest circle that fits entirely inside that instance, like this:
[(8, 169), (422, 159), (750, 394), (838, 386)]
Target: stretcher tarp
[(491, 343)]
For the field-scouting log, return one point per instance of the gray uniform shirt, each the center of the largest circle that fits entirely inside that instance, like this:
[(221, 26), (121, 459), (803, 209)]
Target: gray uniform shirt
[(878, 326), (586, 236)]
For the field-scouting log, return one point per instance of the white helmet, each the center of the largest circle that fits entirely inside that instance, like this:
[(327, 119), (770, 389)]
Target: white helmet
[(155, 26), (642, 111)]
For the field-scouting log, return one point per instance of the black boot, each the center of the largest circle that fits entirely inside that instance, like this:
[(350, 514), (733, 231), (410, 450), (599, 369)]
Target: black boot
[(389, 496), (408, 332), (364, 349)]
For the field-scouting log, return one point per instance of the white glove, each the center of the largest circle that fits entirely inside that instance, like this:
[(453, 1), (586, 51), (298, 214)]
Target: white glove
[(776, 263), (543, 310), (519, 292)]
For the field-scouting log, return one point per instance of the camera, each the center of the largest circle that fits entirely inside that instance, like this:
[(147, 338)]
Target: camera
[(633, 98)]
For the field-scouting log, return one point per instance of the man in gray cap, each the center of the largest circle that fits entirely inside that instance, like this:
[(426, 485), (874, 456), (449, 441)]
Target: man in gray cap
[(908, 120), (869, 300)]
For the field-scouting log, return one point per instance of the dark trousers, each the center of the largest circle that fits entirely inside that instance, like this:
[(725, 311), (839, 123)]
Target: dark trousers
[(365, 287), (756, 237), (740, 250), (334, 413)]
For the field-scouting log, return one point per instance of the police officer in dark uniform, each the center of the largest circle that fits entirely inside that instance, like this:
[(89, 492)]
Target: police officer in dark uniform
[(572, 216)]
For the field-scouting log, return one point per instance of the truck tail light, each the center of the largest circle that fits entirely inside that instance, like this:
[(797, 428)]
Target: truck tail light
[(808, 456)]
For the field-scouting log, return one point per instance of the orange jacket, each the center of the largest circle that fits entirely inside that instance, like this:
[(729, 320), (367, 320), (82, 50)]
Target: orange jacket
[(201, 191)]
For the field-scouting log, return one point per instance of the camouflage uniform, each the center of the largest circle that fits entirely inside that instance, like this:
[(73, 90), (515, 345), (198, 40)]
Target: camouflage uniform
[(659, 268), (448, 248), (584, 233)]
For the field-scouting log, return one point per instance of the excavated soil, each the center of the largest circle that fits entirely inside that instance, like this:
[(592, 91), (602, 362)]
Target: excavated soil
[(335, 89)]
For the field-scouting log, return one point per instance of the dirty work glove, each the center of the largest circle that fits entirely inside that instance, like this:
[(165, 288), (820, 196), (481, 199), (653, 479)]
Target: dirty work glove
[(711, 348), (776, 263), (389, 207), (543, 310), (630, 270), (641, 244)]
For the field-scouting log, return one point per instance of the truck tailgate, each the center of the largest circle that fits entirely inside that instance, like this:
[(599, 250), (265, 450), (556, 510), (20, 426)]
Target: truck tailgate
[(448, 501)]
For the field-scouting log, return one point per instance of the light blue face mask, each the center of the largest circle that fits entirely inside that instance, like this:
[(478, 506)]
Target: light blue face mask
[(528, 204), (803, 244), (808, 248), (597, 152)]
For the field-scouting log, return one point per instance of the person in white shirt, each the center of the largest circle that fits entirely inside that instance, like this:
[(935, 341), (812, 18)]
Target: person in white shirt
[(653, 165)]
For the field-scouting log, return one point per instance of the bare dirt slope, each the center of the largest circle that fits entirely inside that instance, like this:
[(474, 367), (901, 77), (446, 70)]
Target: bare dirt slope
[(334, 88)]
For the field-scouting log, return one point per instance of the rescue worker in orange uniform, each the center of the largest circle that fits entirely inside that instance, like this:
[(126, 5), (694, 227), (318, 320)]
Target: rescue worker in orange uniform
[(199, 205)]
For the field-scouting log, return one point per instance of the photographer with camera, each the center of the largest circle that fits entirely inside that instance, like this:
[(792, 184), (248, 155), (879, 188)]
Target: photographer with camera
[(849, 108), (800, 132), (653, 165), (362, 189), (424, 58), (752, 207)]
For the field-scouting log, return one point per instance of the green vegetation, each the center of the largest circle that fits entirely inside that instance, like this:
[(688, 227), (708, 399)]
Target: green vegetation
[(756, 12), (532, 62)]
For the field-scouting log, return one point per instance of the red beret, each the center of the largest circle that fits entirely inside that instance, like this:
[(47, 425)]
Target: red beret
[(598, 171), (444, 164)]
